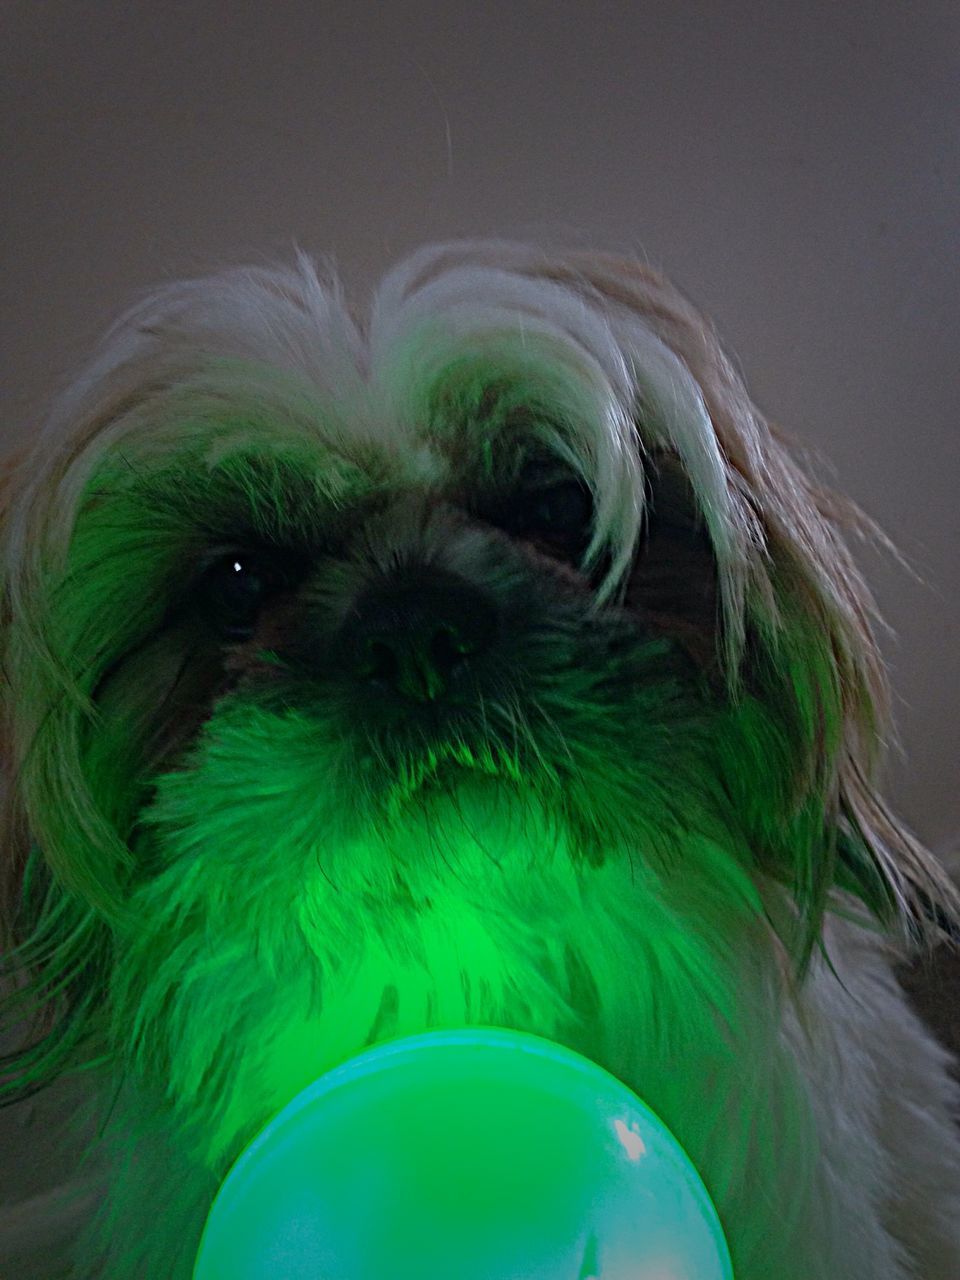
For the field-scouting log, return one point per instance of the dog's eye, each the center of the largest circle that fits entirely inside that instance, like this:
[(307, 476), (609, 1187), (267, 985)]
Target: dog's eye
[(556, 514), (235, 588)]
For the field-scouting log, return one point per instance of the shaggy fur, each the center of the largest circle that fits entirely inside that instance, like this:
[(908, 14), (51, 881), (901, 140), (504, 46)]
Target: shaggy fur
[(488, 660)]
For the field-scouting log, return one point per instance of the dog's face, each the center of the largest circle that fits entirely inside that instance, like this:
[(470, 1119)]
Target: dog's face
[(425, 671)]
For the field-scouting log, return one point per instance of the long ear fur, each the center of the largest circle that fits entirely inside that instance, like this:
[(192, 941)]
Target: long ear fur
[(52, 948), (805, 527)]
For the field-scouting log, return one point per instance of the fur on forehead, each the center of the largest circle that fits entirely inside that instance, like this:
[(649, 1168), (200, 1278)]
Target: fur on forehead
[(262, 356), (608, 386)]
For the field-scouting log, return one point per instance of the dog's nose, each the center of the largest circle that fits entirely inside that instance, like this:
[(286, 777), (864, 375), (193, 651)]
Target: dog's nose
[(416, 631)]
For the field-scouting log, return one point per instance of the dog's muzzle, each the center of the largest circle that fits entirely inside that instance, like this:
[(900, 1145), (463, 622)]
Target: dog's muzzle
[(417, 637)]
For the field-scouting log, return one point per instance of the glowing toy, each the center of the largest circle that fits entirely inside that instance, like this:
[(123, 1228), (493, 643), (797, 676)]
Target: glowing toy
[(483, 1154)]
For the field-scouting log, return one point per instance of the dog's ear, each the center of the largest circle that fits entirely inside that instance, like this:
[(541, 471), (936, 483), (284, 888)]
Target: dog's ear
[(801, 576), (14, 839), (40, 941)]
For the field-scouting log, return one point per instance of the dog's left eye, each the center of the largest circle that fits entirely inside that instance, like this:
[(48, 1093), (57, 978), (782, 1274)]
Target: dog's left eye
[(235, 588)]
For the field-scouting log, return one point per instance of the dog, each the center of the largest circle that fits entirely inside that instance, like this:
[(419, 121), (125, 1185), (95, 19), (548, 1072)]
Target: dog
[(483, 659)]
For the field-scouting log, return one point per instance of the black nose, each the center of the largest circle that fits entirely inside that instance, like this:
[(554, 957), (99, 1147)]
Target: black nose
[(416, 631)]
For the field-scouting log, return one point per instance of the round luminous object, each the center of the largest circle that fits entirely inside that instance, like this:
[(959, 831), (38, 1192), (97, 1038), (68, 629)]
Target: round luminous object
[(476, 1154)]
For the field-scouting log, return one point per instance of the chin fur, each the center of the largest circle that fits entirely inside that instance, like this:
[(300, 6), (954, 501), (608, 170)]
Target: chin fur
[(635, 810)]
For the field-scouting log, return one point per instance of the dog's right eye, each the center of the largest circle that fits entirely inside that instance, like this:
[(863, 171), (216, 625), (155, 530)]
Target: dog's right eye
[(235, 588)]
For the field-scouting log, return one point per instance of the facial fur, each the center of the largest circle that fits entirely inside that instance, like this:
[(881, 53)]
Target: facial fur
[(488, 661)]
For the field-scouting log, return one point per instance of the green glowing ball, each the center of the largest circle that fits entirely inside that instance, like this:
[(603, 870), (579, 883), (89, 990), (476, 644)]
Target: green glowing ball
[(480, 1154)]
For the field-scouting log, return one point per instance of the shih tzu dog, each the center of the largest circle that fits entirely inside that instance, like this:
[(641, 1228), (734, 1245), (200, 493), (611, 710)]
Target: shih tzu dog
[(484, 660)]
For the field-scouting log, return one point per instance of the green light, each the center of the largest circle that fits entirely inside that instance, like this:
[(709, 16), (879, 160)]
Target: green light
[(480, 1154)]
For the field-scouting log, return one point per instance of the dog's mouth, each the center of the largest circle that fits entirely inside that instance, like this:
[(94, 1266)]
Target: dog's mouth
[(442, 770)]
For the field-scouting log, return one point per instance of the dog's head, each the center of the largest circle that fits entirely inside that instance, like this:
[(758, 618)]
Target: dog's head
[(316, 629)]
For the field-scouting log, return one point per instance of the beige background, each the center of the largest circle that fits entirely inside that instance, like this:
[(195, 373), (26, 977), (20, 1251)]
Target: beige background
[(795, 166)]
